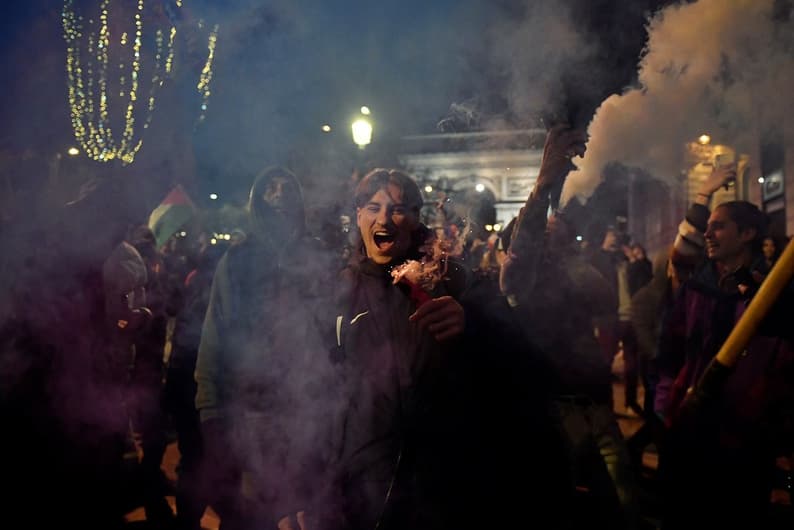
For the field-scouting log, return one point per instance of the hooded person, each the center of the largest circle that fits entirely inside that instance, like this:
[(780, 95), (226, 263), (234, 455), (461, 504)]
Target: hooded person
[(262, 361)]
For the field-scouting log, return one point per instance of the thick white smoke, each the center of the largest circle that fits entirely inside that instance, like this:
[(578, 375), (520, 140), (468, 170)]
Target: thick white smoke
[(725, 68)]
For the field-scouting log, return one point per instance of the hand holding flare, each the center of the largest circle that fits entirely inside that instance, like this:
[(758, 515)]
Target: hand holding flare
[(562, 144), (442, 317)]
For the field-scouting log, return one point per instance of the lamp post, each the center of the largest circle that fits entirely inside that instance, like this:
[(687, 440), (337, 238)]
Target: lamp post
[(362, 132), (362, 136)]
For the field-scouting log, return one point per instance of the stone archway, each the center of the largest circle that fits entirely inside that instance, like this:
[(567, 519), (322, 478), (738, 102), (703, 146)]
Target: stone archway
[(451, 163)]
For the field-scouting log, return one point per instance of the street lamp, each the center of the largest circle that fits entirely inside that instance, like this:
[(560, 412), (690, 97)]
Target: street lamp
[(362, 132)]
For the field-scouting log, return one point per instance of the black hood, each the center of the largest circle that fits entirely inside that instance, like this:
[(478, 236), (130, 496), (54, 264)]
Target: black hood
[(263, 217)]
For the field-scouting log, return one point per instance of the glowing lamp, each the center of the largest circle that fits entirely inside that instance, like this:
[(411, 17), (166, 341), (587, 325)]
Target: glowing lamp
[(362, 132)]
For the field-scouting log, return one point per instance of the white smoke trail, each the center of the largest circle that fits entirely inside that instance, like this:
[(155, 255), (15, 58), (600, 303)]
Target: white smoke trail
[(725, 68)]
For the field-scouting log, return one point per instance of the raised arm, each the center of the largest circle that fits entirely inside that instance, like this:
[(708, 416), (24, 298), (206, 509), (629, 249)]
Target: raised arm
[(689, 242), (527, 245)]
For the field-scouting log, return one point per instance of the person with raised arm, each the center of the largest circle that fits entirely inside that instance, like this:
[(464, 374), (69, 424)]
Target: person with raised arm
[(557, 294), (726, 424)]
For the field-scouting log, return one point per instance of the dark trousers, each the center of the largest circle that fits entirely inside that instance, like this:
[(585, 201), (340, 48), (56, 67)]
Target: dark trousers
[(631, 365), (612, 332), (150, 421), (191, 497)]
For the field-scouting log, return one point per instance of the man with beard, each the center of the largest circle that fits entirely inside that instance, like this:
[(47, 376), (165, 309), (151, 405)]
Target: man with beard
[(261, 366)]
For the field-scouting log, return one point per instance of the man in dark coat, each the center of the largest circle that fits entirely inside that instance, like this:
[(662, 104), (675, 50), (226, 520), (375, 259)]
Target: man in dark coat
[(435, 424), (262, 365), (557, 295)]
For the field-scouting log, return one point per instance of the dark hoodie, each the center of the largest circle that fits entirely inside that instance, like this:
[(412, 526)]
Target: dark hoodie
[(437, 434), (262, 360), (390, 368)]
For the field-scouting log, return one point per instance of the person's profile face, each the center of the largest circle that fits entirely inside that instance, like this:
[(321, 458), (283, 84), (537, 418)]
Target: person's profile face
[(386, 224), (724, 240)]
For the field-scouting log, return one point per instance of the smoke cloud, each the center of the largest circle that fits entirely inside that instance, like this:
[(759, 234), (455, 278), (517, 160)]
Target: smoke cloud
[(724, 68), (533, 51)]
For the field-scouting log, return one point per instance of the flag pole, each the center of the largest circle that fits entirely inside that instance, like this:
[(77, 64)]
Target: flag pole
[(767, 295), (710, 385)]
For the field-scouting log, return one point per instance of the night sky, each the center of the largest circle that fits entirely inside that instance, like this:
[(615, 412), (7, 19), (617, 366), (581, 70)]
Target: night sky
[(285, 68)]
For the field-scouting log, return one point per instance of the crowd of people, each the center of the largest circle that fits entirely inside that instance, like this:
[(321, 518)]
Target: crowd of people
[(403, 381)]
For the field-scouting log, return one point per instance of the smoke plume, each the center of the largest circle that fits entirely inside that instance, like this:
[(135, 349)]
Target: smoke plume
[(722, 68)]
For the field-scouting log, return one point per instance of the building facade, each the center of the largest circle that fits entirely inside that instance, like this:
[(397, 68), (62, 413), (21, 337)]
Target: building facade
[(499, 168), (476, 170)]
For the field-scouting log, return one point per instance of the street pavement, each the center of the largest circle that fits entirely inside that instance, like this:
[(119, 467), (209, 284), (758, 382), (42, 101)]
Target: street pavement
[(629, 422)]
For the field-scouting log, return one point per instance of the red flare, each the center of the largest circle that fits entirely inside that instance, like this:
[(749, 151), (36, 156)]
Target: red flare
[(417, 295)]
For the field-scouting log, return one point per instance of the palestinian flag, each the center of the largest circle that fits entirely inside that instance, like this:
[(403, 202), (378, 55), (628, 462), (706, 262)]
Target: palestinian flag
[(174, 212)]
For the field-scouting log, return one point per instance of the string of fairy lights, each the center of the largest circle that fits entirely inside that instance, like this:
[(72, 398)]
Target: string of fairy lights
[(88, 80), (206, 72)]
